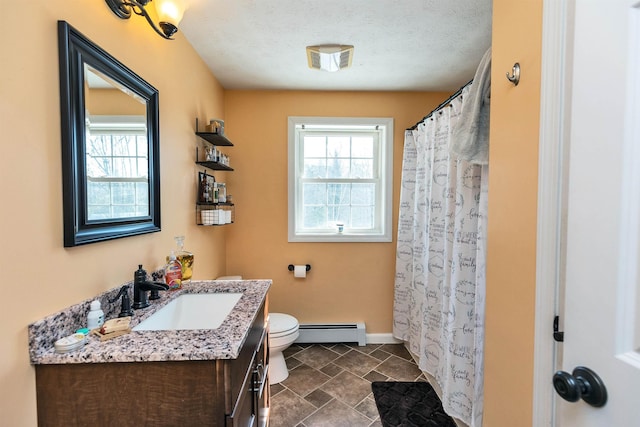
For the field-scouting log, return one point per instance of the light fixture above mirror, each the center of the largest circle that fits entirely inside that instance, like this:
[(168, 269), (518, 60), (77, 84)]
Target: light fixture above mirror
[(169, 13)]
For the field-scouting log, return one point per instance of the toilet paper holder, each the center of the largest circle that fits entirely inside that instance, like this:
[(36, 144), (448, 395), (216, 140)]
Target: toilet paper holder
[(291, 267)]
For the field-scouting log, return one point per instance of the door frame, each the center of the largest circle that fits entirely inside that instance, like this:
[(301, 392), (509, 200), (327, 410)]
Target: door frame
[(553, 167)]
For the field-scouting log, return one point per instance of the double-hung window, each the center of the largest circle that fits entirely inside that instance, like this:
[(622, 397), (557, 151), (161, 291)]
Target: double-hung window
[(117, 161), (340, 179)]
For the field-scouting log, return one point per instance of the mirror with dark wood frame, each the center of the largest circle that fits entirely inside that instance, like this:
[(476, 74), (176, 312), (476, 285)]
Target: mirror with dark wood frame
[(110, 144)]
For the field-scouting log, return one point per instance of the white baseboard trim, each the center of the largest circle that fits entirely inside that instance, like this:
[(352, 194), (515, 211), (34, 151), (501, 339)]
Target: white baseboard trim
[(382, 339)]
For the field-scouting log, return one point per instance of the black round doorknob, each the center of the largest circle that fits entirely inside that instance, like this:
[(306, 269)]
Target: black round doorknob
[(583, 384)]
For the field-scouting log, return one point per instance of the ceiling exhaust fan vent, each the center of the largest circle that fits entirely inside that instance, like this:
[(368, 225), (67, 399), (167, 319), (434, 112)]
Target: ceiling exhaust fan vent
[(329, 57)]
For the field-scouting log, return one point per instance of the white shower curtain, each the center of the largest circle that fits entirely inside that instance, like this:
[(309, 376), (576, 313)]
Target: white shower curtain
[(440, 263)]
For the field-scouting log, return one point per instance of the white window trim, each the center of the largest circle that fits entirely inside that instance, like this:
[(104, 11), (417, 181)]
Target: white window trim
[(386, 140)]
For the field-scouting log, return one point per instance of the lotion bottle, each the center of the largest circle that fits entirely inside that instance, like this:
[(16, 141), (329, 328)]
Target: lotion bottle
[(95, 318)]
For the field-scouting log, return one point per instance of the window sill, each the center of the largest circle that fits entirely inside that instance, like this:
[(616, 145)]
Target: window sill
[(340, 238)]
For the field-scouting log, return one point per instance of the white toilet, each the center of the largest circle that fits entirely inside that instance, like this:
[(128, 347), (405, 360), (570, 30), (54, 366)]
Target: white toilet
[(283, 331)]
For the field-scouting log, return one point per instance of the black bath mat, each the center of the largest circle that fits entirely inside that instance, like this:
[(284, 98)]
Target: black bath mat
[(409, 404)]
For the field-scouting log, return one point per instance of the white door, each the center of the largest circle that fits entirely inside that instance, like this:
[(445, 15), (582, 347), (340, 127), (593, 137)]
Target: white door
[(602, 295)]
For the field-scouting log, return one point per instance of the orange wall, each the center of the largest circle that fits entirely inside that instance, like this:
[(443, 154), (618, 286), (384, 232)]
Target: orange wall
[(41, 276), (513, 175), (112, 102), (348, 282)]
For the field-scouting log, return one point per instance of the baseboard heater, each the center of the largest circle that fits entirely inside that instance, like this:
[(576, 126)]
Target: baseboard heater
[(317, 333)]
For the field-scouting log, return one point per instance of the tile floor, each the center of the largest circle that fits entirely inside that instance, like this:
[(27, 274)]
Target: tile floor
[(329, 385)]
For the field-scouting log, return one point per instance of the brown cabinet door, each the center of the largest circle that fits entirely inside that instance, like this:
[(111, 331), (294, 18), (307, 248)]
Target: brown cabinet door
[(243, 414), (261, 373)]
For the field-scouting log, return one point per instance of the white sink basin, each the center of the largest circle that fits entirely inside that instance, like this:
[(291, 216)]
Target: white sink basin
[(191, 311)]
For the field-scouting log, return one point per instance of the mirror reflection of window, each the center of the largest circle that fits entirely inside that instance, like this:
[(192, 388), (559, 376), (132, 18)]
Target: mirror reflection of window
[(117, 162), (117, 158)]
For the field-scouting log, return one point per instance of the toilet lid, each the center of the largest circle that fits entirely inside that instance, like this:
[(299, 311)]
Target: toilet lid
[(281, 324)]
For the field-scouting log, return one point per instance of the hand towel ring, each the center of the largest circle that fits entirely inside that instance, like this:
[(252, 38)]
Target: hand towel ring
[(515, 74)]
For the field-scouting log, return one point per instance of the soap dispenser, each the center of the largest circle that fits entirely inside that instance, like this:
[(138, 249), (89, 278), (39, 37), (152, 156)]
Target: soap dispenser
[(95, 318), (184, 257), (173, 272)]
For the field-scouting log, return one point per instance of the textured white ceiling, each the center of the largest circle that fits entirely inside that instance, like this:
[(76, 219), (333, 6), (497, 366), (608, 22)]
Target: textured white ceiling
[(401, 45)]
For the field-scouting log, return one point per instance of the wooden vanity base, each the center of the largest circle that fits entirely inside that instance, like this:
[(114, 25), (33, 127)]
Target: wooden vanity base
[(199, 393)]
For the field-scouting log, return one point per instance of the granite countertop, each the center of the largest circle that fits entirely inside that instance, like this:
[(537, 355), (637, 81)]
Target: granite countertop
[(224, 342)]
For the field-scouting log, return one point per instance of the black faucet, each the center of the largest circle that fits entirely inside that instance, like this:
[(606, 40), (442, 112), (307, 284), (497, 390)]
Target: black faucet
[(141, 286)]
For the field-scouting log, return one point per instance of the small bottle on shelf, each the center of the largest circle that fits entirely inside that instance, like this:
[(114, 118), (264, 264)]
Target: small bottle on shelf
[(203, 189), (209, 154), (222, 192)]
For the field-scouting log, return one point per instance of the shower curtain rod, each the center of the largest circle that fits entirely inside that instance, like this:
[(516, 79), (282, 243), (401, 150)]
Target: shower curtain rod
[(442, 105)]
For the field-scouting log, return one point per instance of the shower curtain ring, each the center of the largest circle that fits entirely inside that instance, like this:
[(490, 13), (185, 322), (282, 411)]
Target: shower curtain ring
[(515, 74)]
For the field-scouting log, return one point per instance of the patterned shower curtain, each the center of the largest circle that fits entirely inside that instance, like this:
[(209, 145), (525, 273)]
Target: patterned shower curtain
[(440, 263)]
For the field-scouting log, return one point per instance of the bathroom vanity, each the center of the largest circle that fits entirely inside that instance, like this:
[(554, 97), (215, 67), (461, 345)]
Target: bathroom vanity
[(215, 377)]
